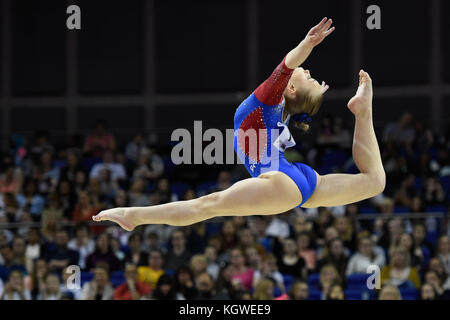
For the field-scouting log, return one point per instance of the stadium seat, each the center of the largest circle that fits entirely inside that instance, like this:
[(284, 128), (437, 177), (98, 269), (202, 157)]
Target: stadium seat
[(409, 293), (179, 189), (401, 209), (117, 278), (367, 210), (288, 280), (445, 182), (86, 276), (357, 280), (314, 294), (277, 292), (436, 209), (169, 272), (204, 187), (314, 281), (418, 184)]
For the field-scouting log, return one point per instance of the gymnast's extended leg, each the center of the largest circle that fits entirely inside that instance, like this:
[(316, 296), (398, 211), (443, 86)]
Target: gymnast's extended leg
[(271, 193), (340, 189)]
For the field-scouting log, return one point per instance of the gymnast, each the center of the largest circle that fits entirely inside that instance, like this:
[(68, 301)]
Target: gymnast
[(276, 186)]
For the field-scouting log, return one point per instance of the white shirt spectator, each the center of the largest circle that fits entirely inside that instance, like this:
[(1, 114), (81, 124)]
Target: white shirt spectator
[(83, 250), (117, 170), (278, 228), (358, 263)]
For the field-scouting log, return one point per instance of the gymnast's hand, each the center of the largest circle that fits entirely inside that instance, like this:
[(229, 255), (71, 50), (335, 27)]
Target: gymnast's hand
[(319, 32)]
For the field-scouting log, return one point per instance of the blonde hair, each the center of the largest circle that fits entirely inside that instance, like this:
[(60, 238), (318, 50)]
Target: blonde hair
[(395, 291), (331, 267), (262, 286), (303, 103)]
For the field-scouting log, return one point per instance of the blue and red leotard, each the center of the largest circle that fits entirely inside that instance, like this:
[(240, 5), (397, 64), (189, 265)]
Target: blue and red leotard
[(261, 136)]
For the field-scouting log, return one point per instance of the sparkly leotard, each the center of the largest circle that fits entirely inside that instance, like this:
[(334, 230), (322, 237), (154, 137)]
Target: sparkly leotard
[(261, 136)]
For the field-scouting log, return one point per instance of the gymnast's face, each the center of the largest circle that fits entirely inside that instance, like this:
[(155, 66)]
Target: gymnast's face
[(302, 81)]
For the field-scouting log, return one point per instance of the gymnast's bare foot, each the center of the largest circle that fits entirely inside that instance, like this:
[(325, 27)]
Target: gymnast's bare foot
[(361, 103), (117, 215)]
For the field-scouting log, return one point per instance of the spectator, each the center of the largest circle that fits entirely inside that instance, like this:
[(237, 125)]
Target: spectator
[(427, 292), (399, 271), (224, 283), (164, 289), (389, 292), (100, 287), (264, 290), (417, 259), (420, 243), (328, 277), (336, 257), (269, 270), (150, 166), (178, 254), (135, 255), (18, 250), (11, 180), (432, 278), (58, 255), (31, 201), (137, 195), (132, 289), (103, 253), (345, 231), (82, 243), (32, 249), (11, 210), (163, 191), (38, 277), (51, 289), (365, 257), (305, 250), (65, 198), (336, 293), (443, 252), (50, 222), (117, 170), (211, 259), (290, 262), (85, 208), (184, 284), (254, 258), (240, 274), (46, 174), (151, 273), (73, 165), (205, 288), (198, 264), (14, 288), (299, 291), (136, 147), (99, 141), (436, 265)]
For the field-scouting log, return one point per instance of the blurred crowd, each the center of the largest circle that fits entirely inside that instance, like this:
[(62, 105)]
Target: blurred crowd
[(50, 249)]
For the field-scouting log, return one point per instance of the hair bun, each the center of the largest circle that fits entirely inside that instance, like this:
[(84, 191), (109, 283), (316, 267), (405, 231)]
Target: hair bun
[(302, 126)]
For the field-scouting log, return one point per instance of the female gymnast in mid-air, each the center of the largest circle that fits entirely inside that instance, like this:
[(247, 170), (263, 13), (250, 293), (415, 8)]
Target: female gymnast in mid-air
[(276, 186)]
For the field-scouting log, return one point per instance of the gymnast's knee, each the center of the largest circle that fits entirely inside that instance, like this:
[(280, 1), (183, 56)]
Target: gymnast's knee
[(209, 204)]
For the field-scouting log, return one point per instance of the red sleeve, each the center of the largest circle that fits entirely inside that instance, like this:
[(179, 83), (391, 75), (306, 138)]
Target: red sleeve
[(270, 92)]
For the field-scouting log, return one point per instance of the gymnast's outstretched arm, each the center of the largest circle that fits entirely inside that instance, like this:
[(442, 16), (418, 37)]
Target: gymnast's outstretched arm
[(316, 35)]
